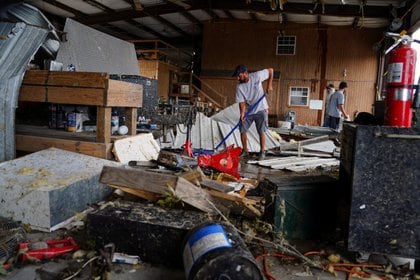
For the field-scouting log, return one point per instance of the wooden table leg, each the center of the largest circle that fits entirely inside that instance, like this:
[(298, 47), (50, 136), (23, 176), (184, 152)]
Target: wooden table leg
[(103, 124), (131, 120)]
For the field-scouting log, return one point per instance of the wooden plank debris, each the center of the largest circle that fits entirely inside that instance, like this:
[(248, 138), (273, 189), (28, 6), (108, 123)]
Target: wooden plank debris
[(137, 179), (236, 204), (142, 182), (299, 163), (218, 186), (139, 193), (186, 187), (194, 196)]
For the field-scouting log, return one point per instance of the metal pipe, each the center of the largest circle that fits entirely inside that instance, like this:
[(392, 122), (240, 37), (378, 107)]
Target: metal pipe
[(398, 136)]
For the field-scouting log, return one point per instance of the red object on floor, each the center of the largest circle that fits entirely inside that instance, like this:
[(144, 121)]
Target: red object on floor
[(226, 161), (187, 148), (55, 248)]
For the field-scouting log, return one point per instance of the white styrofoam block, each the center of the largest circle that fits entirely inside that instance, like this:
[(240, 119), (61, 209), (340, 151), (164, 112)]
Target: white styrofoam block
[(47, 187), (141, 147)]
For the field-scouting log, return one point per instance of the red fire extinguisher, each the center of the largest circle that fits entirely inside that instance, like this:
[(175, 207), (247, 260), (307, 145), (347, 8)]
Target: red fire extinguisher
[(401, 71)]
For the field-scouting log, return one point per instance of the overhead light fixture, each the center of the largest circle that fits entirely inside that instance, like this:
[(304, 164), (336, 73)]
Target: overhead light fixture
[(136, 5)]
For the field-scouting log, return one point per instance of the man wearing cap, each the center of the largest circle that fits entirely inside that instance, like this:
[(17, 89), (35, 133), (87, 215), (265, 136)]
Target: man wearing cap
[(250, 94), (330, 92)]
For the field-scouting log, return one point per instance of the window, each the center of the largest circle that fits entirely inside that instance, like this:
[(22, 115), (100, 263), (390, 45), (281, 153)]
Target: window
[(299, 96), (286, 45)]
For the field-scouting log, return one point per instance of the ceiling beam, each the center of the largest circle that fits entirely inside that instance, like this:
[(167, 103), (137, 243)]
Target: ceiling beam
[(229, 14), (146, 28), (83, 18), (194, 20), (135, 4), (99, 6), (116, 31), (173, 26), (127, 14), (66, 8), (212, 14), (301, 8)]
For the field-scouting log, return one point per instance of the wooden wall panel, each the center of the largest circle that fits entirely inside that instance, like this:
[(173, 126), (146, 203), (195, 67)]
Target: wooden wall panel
[(322, 53), (164, 72), (254, 44), (149, 68), (352, 59)]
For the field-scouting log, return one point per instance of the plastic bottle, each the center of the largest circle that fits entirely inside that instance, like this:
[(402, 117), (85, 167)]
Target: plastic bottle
[(115, 119), (52, 121), (61, 118), (72, 121)]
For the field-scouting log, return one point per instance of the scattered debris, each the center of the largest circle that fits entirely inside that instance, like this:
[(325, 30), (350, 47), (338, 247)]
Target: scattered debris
[(38, 251)]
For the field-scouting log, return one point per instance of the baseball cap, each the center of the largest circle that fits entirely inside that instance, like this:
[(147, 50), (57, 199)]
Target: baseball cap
[(330, 86), (239, 69)]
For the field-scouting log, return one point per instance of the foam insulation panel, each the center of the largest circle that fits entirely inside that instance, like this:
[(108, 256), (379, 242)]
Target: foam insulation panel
[(46, 188), (91, 50)]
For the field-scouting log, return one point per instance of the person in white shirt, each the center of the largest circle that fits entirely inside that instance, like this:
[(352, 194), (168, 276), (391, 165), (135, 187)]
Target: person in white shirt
[(250, 93)]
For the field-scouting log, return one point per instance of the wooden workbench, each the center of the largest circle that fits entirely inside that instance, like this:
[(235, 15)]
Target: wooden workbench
[(80, 88)]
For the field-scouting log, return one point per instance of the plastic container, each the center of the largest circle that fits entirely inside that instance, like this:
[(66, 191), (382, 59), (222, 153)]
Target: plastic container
[(61, 119), (216, 251), (52, 121), (115, 120), (72, 122)]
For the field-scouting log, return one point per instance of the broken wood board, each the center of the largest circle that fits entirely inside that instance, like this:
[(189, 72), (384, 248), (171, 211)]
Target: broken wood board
[(157, 184), (235, 204), (141, 147), (194, 196), (137, 179), (297, 144), (218, 186), (195, 175), (139, 193)]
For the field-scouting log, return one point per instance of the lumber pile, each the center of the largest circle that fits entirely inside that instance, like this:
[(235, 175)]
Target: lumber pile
[(193, 188)]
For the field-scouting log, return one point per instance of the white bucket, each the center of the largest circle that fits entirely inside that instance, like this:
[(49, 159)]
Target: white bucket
[(284, 124)]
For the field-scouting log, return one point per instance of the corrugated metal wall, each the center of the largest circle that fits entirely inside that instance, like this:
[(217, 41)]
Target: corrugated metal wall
[(322, 55)]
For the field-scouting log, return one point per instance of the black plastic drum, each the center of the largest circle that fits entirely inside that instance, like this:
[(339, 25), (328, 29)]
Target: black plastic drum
[(215, 251)]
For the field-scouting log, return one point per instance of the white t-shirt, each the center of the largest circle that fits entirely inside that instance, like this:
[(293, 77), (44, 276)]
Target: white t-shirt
[(252, 91)]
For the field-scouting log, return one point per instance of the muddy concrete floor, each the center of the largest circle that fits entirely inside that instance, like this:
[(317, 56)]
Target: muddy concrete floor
[(276, 267)]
